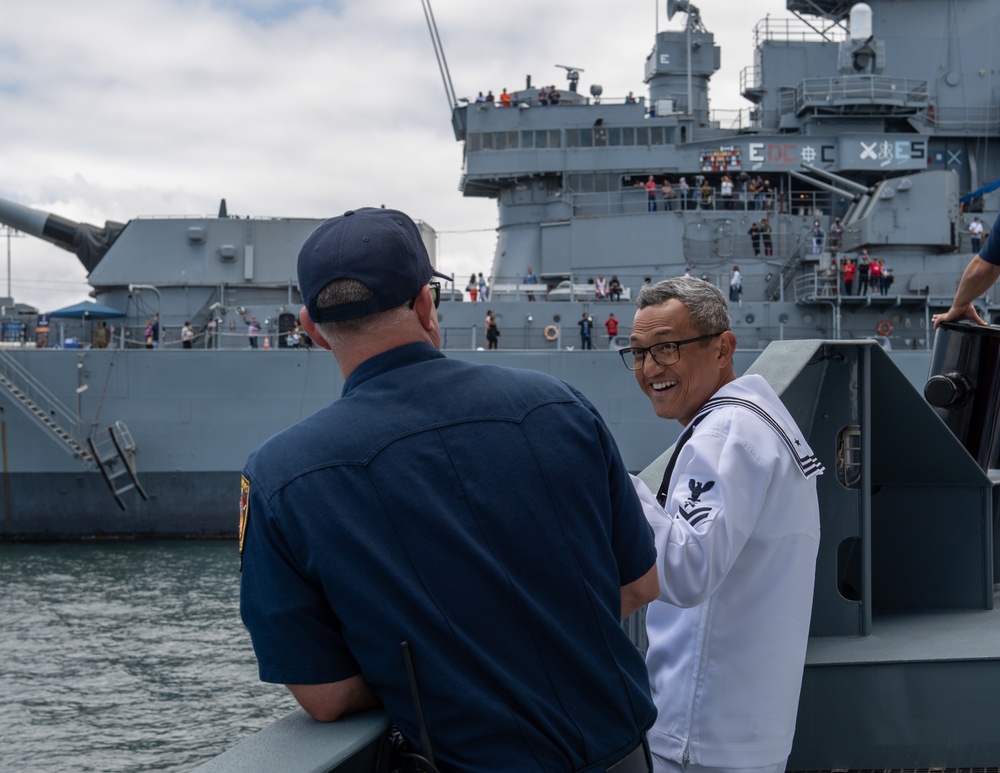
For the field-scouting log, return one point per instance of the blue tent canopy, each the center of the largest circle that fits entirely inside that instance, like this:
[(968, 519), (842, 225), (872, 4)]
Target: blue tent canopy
[(87, 310)]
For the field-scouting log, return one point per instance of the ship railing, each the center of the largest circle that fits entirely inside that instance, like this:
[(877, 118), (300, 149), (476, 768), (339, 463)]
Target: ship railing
[(133, 337), (789, 270), (357, 742), (853, 92), (788, 30), (633, 201), (537, 335), (978, 119), (819, 284), (43, 407), (517, 290), (750, 83), (35, 391), (732, 120), (577, 288)]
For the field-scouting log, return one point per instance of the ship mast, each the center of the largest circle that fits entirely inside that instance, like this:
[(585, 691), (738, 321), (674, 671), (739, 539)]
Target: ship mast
[(693, 22)]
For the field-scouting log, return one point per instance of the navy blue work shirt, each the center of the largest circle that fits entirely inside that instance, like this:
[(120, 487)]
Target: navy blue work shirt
[(990, 252), (484, 515)]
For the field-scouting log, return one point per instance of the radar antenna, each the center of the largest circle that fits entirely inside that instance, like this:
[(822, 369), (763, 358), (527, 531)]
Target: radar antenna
[(684, 6), (572, 74), (449, 90)]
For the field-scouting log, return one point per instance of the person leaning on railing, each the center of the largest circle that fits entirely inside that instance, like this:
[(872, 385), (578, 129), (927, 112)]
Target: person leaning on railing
[(414, 510), (982, 271)]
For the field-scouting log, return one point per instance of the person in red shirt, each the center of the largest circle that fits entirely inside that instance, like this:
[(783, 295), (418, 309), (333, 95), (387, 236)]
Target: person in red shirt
[(849, 271), (611, 323)]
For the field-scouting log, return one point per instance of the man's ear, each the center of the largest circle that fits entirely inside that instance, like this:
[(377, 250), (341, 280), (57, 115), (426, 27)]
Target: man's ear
[(727, 347), (424, 306), (311, 330)]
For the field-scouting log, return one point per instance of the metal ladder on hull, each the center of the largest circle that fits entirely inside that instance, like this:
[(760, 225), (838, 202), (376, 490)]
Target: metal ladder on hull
[(115, 458)]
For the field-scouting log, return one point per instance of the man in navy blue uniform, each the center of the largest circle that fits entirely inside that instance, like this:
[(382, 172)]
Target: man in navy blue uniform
[(983, 270), (481, 514)]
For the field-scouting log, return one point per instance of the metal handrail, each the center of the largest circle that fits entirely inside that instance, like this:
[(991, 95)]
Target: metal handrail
[(34, 390)]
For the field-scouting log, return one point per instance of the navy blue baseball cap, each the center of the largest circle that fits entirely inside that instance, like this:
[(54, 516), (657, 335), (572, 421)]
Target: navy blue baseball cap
[(381, 248)]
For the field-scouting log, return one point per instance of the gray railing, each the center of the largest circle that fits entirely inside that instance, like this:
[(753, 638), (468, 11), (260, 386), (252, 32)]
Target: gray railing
[(979, 119), (856, 90), (35, 391)]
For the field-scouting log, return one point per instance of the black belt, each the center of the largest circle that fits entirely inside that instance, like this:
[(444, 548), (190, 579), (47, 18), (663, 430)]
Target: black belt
[(636, 761)]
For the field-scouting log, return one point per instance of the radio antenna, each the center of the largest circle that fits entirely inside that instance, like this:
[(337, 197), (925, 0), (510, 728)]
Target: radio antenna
[(425, 739)]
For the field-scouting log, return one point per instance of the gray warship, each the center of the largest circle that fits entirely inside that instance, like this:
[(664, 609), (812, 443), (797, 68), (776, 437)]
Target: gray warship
[(848, 117)]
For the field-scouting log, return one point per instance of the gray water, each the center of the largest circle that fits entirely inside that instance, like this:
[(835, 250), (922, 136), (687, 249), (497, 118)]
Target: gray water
[(125, 657)]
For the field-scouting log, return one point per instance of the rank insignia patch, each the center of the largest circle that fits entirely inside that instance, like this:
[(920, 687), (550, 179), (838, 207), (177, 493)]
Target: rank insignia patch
[(244, 512), (696, 512)]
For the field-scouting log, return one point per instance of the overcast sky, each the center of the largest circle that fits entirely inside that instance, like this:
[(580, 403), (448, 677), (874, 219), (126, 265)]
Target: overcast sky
[(119, 109)]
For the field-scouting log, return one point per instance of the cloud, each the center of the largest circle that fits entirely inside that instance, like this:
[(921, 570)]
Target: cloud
[(134, 108)]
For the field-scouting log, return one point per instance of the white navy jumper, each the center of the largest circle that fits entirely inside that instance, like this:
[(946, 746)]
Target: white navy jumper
[(736, 544)]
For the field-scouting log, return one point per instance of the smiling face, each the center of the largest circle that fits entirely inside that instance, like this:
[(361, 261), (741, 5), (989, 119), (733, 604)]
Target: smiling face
[(678, 391)]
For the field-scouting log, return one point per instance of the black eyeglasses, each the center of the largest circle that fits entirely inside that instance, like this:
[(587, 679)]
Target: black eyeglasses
[(666, 353), (435, 294)]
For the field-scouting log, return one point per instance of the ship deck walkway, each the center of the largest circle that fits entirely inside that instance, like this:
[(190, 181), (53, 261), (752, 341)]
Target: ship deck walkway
[(872, 701)]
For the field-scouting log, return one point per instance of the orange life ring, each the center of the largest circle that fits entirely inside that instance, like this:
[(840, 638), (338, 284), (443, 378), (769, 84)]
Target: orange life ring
[(884, 327), (551, 333)]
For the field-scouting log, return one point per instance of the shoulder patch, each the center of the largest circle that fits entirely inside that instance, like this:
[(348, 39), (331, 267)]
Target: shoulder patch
[(697, 489), (244, 512), (694, 511)]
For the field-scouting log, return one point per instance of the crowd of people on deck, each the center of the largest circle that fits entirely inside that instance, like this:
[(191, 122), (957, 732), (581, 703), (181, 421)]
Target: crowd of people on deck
[(543, 96), (745, 193), (546, 95)]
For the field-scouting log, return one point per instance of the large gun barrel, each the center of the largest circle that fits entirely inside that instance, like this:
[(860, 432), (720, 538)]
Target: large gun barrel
[(89, 243), (858, 188)]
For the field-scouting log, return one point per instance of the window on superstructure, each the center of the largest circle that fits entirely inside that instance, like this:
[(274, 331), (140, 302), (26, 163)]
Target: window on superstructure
[(614, 137), (593, 183), (474, 142), (642, 135), (655, 135), (605, 182), (555, 139), (572, 138), (628, 135), (505, 141), (600, 138), (487, 140), (542, 138), (527, 139)]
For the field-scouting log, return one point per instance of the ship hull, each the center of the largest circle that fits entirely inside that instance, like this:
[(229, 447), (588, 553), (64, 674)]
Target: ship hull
[(195, 416)]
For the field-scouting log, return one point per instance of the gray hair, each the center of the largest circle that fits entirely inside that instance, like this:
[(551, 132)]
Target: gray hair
[(707, 306), (343, 291)]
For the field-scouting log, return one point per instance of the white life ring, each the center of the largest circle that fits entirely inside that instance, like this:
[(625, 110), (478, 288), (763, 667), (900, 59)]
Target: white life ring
[(551, 333)]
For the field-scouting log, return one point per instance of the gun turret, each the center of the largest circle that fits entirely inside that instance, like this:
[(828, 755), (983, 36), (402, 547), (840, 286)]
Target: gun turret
[(88, 242)]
